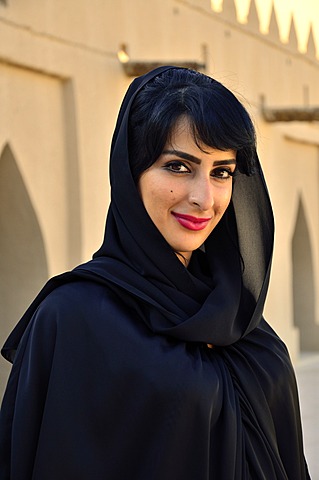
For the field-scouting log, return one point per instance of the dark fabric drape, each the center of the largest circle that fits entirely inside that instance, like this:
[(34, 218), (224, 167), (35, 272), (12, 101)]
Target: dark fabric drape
[(112, 377)]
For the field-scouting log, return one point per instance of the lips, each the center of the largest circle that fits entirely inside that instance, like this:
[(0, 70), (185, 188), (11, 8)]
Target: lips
[(190, 222)]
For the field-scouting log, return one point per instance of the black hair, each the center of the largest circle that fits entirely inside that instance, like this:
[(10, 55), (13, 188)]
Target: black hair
[(217, 118)]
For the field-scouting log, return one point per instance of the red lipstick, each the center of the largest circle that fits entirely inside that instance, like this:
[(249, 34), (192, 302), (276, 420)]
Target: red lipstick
[(190, 222)]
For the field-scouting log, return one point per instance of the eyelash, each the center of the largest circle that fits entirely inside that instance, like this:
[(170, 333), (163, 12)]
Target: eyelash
[(217, 172)]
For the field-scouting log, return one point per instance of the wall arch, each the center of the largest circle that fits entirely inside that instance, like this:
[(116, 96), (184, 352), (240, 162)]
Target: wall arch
[(303, 283), (23, 263)]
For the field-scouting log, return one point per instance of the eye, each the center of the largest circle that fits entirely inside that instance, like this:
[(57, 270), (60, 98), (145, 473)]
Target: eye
[(223, 173), (177, 167)]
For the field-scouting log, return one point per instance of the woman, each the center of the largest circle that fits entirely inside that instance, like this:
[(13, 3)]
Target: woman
[(153, 361)]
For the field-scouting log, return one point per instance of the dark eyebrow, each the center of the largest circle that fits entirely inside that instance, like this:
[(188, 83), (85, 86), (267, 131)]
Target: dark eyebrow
[(192, 158), (231, 161)]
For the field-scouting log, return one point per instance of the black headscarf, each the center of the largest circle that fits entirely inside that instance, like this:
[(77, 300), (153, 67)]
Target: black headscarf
[(151, 399), (185, 305)]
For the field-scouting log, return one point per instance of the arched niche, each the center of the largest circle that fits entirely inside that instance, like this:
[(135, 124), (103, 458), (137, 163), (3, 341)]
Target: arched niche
[(74, 230), (303, 283), (23, 264)]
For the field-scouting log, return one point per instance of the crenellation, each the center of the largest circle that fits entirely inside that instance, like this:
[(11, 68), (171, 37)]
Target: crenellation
[(273, 29), (311, 46), (253, 18), (293, 38), (229, 13), (229, 10)]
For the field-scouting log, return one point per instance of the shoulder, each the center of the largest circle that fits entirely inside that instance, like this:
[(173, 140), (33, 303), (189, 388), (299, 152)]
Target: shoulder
[(79, 300), (77, 317), (78, 295)]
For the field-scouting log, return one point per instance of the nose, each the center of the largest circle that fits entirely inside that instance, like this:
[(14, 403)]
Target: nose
[(202, 193)]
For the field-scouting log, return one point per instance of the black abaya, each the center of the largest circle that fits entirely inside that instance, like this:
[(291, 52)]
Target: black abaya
[(112, 377)]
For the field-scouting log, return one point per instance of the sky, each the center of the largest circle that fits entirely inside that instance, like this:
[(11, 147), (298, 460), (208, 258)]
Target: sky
[(305, 12)]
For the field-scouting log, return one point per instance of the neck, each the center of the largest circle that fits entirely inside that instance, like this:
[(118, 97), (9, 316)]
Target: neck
[(185, 259)]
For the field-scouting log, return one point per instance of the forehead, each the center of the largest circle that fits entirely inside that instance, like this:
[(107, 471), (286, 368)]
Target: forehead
[(182, 139), (182, 132)]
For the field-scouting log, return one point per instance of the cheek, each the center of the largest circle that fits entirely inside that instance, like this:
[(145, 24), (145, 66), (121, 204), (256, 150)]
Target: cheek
[(158, 198), (172, 196), (223, 200), (228, 196), (164, 193), (157, 193)]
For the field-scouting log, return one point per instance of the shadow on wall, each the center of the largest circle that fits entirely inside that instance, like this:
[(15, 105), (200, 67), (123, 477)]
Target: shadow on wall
[(23, 264), (303, 284)]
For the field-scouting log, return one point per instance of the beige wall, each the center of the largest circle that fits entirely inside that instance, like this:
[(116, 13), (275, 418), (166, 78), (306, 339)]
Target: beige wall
[(60, 88)]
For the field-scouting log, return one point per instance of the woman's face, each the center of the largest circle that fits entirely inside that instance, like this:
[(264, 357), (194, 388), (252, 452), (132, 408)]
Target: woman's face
[(187, 190)]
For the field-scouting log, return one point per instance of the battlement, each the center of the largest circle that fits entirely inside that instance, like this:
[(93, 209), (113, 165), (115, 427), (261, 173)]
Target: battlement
[(269, 28)]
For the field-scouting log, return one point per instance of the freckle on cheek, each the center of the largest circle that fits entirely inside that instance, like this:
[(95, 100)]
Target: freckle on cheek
[(172, 194)]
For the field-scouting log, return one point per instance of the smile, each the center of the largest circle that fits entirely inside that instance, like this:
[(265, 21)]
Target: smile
[(190, 222)]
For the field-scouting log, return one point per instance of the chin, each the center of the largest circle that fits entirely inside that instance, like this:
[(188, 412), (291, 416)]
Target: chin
[(186, 250)]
